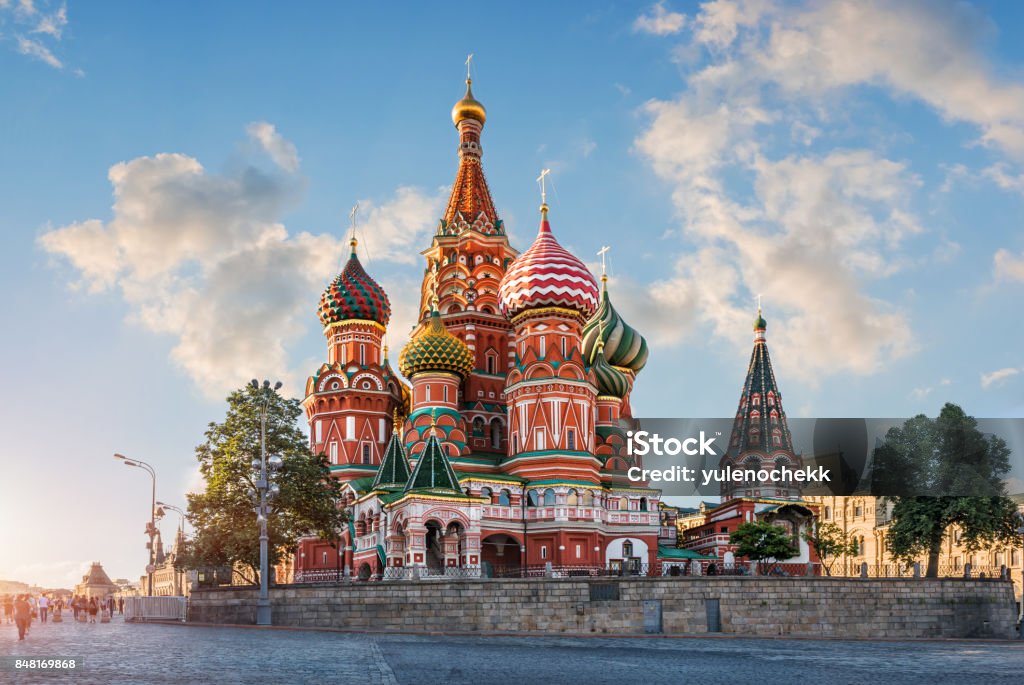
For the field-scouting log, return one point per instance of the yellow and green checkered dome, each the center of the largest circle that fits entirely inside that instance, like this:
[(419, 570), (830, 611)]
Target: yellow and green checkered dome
[(435, 349), (354, 295)]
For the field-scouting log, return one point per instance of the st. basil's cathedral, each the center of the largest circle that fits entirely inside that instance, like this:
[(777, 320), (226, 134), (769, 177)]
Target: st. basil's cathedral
[(507, 449)]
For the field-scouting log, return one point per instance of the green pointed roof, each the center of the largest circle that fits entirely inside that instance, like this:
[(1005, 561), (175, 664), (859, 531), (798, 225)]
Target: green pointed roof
[(394, 468), (433, 472)]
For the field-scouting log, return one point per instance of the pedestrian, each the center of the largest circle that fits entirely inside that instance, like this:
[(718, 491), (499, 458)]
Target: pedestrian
[(44, 607), (74, 607), (93, 609), (120, 605), (8, 608), (22, 615)]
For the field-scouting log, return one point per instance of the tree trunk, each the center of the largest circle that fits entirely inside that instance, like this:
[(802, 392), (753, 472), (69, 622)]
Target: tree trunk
[(933, 559)]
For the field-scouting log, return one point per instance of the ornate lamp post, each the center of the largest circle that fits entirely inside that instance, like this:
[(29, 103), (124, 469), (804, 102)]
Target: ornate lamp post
[(151, 527), (264, 469)]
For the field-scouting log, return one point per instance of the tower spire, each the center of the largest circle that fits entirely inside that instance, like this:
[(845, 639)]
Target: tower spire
[(542, 180)]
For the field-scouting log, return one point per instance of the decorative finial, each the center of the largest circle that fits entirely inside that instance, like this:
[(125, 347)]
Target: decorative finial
[(604, 266), (397, 423), (543, 189), (759, 304), (433, 422), (469, 66), (385, 347), (352, 222)]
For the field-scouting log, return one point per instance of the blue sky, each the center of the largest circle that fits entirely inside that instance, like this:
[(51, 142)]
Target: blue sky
[(176, 184)]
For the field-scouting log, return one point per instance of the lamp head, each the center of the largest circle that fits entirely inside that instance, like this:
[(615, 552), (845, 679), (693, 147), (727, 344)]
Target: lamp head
[(278, 385), (266, 384), (254, 383), (119, 456)]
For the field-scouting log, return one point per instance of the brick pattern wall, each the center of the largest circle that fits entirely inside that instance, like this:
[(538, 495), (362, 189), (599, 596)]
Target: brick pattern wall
[(798, 607)]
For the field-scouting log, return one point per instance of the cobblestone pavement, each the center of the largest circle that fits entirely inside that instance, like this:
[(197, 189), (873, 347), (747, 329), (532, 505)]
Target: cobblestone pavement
[(158, 654)]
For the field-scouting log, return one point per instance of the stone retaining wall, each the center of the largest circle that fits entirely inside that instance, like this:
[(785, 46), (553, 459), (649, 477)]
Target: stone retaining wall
[(798, 607)]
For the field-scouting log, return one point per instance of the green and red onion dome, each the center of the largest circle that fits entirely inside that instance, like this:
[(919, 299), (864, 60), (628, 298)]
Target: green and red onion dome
[(354, 295), (624, 347), (548, 275), (435, 349)]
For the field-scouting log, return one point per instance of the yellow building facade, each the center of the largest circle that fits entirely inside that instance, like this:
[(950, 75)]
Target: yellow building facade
[(866, 519)]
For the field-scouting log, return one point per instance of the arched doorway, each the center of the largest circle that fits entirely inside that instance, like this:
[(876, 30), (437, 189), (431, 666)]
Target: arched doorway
[(434, 541), (501, 556)]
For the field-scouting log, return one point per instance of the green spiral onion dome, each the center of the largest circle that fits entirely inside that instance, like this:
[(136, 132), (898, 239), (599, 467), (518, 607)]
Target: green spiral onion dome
[(759, 323), (610, 381), (624, 347), (435, 349), (354, 295)]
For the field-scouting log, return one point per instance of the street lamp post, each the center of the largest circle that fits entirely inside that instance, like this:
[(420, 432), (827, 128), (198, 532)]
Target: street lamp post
[(151, 529), (1020, 611), (265, 492)]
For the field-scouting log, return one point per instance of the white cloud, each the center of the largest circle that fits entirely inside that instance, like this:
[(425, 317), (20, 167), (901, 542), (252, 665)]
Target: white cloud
[(49, 25), (660, 21), (204, 258), (282, 151), (1007, 266), (815, 229), (924, 50), (397, 230), (1000, 174), (996, 377), (816, 233), (53, 24), (37, 50), (719, 21)]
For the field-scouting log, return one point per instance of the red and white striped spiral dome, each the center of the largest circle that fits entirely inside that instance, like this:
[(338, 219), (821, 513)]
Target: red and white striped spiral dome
[(548, 275)]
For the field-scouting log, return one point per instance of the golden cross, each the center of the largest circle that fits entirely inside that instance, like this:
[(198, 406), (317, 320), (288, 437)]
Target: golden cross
[(543, 187), (759, 303), (469, 65)]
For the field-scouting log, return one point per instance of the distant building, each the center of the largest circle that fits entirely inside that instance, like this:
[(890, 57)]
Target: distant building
[(96, 583), (865, 519), (168, 580)]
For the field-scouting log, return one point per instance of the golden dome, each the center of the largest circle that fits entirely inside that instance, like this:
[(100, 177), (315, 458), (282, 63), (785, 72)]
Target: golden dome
[(468, 107)]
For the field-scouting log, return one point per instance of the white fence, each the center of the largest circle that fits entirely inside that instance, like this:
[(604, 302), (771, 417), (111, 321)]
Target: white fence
[(155, 608)]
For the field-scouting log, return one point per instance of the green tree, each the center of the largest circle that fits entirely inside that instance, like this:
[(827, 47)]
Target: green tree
[(764, 543), (226, 532), (942, 473), (829, 542)]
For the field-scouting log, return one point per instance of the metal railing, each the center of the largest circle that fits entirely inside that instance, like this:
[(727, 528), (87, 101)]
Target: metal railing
[(141, 609)]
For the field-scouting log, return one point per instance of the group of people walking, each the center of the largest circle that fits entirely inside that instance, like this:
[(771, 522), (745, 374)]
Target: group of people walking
[(22, 609)]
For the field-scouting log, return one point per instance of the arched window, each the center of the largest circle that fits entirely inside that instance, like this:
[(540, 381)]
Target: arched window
[(627, 549), (588, 498), (492, 362), (495, 433), (543, 346), (643, 504), (504, 499), (570, 439), (572, 499), (623, 504), (531, 499), (485, 492), (478, 426), (549, 497)]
